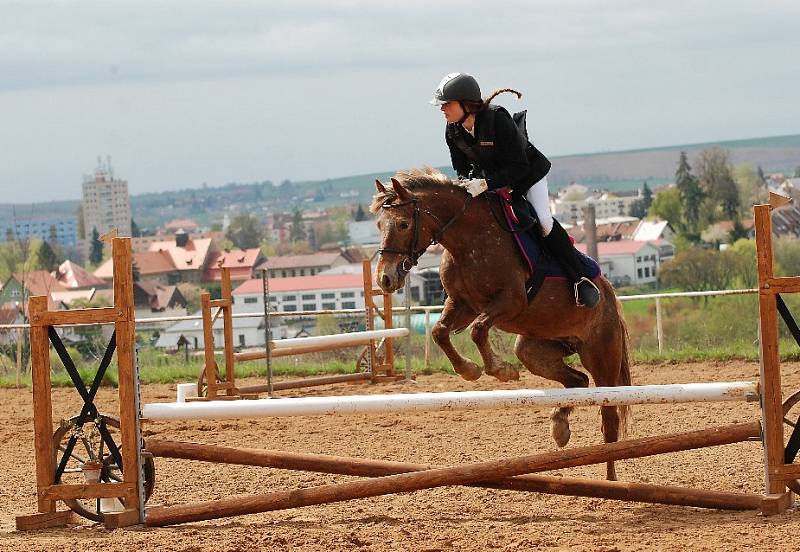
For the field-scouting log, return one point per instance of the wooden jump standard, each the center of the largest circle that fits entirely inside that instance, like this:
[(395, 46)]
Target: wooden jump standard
[(498, 472), (219, 387)]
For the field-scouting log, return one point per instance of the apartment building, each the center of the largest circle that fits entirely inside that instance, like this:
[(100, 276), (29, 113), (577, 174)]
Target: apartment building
[(106, 204)]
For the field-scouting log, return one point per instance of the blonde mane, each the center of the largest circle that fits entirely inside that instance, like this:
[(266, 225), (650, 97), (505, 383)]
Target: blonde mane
[(410, 179)]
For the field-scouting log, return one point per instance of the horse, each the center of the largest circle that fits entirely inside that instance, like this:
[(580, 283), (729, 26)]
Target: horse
[(484, 277)]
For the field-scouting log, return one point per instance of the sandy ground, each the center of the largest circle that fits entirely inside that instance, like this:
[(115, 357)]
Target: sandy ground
[(441, 519)]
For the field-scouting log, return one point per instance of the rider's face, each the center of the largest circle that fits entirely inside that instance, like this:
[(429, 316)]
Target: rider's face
[(452, 111)]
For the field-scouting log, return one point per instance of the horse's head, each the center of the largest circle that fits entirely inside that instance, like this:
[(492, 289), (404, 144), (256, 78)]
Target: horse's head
[(403, 234)]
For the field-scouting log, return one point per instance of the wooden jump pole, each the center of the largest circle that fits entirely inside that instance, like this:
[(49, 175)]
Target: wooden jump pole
[(307, 382), (572, 486), (458, 475)]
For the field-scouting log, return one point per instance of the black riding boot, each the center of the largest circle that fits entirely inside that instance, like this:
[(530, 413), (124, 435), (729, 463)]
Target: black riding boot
[(560, 246)]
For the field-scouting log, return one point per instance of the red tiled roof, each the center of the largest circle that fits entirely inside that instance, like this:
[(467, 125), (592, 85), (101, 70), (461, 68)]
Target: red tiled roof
[(234, 258), (74, 276), (39, 282), (303, 283), (609, 249), (186, 224), (191, 257), (148, 263), (302, 261)]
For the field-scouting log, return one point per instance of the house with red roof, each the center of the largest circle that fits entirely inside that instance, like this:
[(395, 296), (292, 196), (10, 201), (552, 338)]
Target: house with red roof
[(181, 259), (241, 262), (629, 262), (303, 293)]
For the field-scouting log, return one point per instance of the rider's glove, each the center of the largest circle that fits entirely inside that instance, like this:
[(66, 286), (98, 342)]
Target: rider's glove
[(475, 186)]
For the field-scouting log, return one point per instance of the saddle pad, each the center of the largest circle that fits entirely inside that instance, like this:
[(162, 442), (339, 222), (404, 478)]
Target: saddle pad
[(540, 263)]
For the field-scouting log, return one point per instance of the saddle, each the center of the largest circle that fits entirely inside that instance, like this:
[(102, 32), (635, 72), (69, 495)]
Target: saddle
[(521, 221)]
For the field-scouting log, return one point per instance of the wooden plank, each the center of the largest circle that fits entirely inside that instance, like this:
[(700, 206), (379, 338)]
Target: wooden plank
[(117, 520), (458, 475), (774, 504), (126, 358), (77, 316), (210, 363), (786, 472), (785, 284), (772, 409), (369, 306), (227, 321), (42, 403), (636, 492), (44, 520), (88, 490), (220, 303)]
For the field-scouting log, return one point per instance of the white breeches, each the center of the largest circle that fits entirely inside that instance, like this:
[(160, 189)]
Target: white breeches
[(540, 199)]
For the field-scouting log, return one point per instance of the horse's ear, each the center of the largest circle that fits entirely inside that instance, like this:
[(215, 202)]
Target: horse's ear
[(402, 193), (379, 186)]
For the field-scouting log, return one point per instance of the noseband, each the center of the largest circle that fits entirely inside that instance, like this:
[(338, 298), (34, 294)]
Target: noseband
[(413, 254)]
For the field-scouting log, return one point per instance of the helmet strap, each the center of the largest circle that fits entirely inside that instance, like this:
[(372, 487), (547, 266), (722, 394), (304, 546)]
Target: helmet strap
[(466, 113)]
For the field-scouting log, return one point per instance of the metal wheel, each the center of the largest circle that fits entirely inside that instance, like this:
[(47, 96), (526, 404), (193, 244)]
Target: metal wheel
[(90, 449), (788, 404), (202, 386), (362, 362)]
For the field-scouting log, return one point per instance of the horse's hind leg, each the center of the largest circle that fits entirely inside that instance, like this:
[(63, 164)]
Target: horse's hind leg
[(604, 363), (455, 316), (546, 359)]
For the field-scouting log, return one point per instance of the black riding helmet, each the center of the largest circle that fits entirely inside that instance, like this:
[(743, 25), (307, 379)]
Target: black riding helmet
[(457, 87)]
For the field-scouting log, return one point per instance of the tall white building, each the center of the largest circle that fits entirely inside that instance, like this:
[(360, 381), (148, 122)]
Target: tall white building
[(106, 204)]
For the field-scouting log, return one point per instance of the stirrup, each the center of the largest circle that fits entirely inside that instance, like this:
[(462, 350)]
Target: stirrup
[(577, 293)]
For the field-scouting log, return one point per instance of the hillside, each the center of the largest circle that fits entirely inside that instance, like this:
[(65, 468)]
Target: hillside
[(618, 170)]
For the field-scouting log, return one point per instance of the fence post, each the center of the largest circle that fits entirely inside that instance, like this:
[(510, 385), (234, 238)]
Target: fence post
[(19, 355), (659, 328), (427, 337), (407, 293)]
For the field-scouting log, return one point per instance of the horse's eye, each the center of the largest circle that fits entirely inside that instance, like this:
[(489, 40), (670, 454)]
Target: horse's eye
[(403, 226)]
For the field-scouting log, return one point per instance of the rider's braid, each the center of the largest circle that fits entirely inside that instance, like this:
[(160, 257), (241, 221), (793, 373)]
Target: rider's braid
[(474, 107)]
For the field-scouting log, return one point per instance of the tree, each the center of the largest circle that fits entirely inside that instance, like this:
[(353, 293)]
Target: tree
[(787, 256), (135, 232), (743, 261), (137, 275), (717, 181), (47, 258), (690, 194), (647, 196), (796, 172), (359, 215), (245, 231), (751, 188), (667, 206), (637, 209), (697, 269), (297, 230), (95, 248)]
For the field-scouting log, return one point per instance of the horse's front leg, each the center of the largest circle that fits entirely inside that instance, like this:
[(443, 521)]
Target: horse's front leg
[(455, 316), (503, 307)]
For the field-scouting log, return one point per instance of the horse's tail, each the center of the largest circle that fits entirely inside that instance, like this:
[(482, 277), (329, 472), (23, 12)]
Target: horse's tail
[(624, 377)]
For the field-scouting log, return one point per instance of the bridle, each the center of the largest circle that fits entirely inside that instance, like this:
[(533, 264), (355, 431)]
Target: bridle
[(413, 254)]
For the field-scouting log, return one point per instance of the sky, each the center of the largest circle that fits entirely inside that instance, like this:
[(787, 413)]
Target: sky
[(182, 93)]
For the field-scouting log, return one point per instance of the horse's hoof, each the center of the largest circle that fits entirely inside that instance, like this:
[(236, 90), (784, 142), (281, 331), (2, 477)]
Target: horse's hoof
[(469, 371), (506, 372), (559, 429)]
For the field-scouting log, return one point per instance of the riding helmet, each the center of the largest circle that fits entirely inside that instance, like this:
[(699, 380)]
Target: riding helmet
[(457, 87)]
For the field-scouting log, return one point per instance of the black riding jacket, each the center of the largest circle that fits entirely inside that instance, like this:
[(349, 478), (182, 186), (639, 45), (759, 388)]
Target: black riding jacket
[(499, 152)]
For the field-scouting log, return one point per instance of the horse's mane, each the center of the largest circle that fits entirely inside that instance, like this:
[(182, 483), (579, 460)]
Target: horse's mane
[(411, 179)]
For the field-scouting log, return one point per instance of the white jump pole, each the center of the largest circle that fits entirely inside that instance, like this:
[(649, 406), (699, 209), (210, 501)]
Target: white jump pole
[(460, 400), (341, 340)]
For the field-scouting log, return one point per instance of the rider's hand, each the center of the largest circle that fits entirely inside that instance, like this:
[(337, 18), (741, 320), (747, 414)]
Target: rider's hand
[(475, 186)]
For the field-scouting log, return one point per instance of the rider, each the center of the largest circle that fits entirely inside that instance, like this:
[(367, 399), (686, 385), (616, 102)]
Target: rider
[(492, 151)]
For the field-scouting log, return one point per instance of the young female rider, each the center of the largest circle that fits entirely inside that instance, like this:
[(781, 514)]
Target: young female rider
[(488, 148)]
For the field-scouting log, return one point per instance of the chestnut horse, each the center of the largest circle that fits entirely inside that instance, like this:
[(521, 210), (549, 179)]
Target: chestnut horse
[(484, 277)]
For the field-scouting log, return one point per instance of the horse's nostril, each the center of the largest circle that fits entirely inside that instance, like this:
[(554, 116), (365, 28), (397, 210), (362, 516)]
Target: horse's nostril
[(386, 282)]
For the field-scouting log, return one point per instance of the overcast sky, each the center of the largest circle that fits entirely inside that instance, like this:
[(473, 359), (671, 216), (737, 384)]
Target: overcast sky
[(185, 93)]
